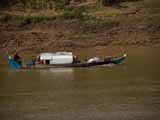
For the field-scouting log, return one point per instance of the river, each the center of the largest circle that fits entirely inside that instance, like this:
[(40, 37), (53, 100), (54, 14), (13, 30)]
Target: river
[(130, 91)]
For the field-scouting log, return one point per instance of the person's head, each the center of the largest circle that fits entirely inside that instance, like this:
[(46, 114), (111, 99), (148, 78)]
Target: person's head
[(15, 53)]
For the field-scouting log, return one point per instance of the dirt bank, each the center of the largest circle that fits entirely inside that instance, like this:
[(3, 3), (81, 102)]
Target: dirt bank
[(132, 29)]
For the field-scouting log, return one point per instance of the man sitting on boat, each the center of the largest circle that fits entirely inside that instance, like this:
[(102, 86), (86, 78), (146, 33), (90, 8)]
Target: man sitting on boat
[(38, 60), (17, 58), (75, 59)]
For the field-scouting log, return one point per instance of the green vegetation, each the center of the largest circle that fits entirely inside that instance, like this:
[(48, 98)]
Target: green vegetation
[(87, 21), (74, 13), (38, 4), (25, 19), (32, 19), (80, 13), (63, 10), (45, 4), (94, 23), (61, 4)]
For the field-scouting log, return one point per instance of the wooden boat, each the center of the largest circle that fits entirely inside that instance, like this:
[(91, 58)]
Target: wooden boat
[(116, 60)]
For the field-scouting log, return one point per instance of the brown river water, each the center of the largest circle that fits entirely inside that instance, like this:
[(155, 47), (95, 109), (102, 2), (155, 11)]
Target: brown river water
[(130, 91)]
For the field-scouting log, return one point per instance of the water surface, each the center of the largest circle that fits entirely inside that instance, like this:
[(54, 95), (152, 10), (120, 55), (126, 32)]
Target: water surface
[(130, 91)]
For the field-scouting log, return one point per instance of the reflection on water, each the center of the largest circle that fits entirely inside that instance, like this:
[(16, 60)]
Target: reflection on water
[(130, 91), (58, 71), (67, 73), (61, 70)]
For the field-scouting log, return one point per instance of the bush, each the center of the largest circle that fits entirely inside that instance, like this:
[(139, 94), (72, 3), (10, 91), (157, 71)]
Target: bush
[(25, 19), (5, 18), (86, 21), (110, 2), (93, 23), (61, 4), (74, 13), (68, 15), (32, 19)]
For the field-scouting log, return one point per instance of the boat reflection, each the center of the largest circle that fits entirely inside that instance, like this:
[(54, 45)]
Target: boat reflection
[(61, 70), (66, 73)]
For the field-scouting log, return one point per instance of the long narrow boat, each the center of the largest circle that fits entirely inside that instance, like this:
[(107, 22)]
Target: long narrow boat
[(116, 60)]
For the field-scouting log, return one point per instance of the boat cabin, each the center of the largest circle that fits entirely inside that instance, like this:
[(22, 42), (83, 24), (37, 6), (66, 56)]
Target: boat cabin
[(57, 58)]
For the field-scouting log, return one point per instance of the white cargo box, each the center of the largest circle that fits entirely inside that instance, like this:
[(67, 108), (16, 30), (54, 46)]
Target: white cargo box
[(57, 58)]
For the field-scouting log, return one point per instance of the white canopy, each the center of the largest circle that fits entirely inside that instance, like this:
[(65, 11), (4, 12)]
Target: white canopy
[(46, 56), (57, 58)]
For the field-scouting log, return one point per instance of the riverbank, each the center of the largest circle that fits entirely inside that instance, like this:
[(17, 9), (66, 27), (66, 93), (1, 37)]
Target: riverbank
[(121, 26)]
